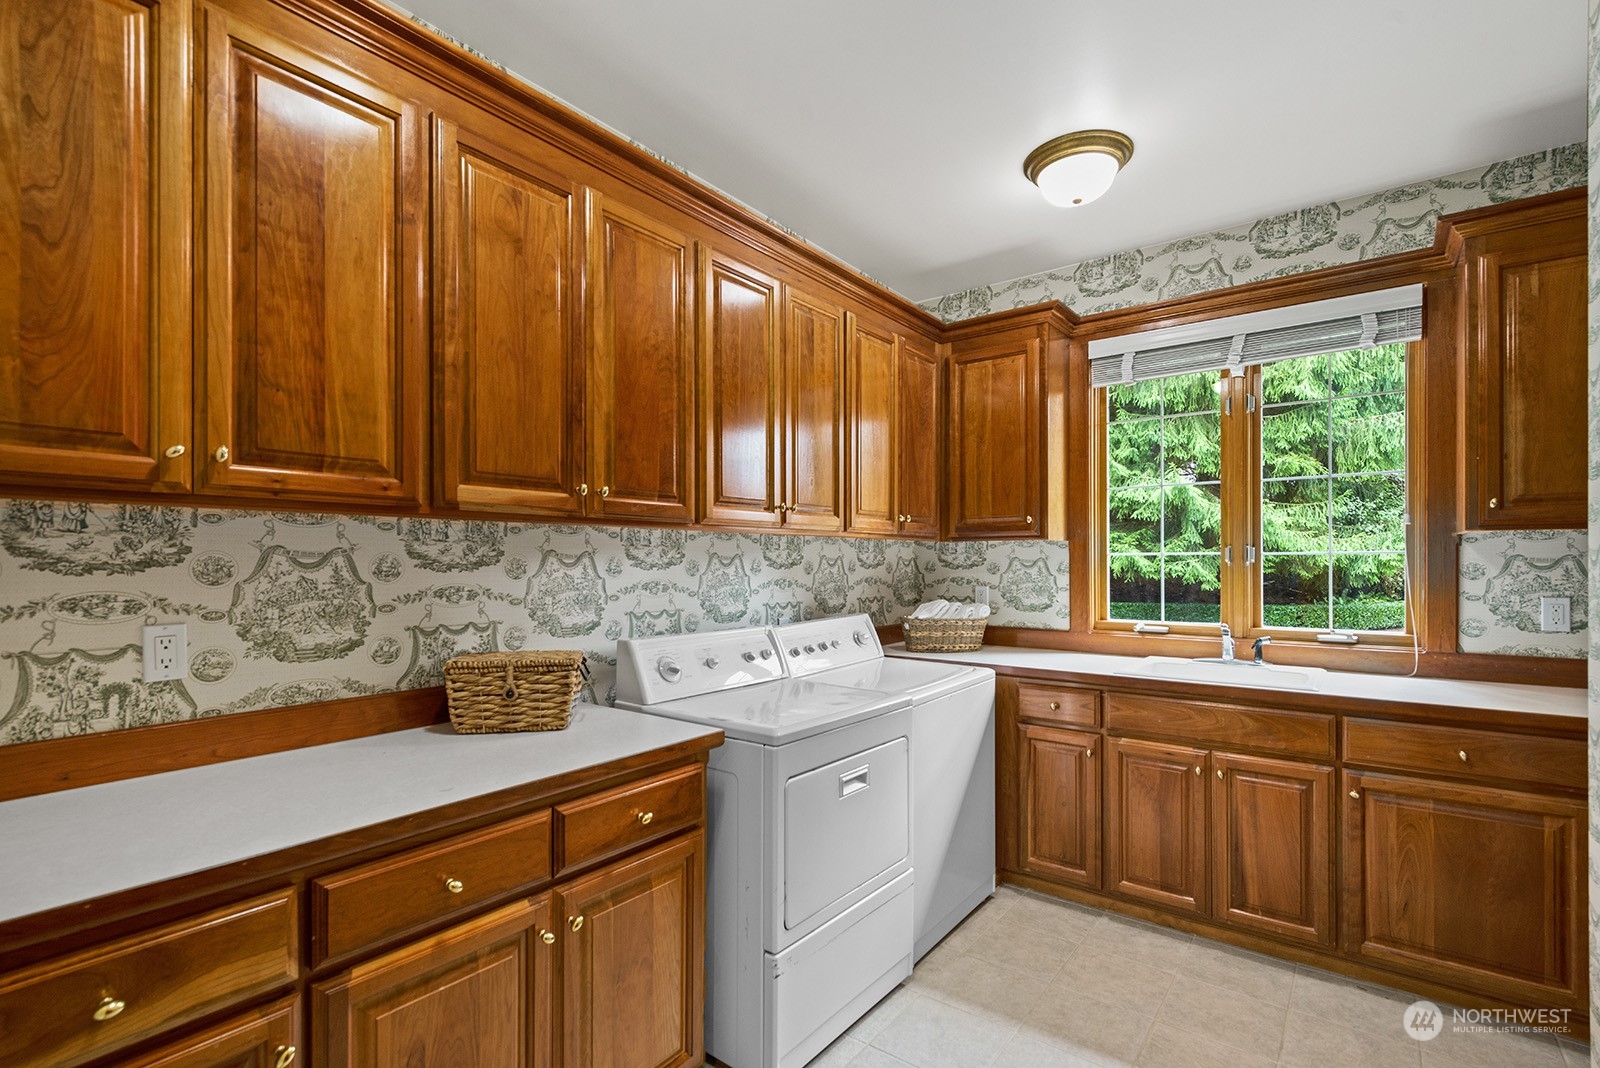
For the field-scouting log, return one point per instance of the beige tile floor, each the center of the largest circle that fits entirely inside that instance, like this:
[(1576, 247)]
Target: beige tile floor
[(1032, 982)]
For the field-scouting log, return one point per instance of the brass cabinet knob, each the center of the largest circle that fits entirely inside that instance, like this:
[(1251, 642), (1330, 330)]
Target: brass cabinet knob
[(1463, 755), (1055, 706), (1494, 502), (575, 922), (583, 489), (644, 818), (284, 1056), (547, 937), (109, 1009), (1089, 752), (222, 454), (1355, 793), (1028, 519), (605, 491), (1219, 773), (175, 451), (1197, 769), (455, 886)]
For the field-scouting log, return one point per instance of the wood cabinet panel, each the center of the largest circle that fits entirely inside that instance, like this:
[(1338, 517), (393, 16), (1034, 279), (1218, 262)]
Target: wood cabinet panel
[(1060, 790), (632, 961), (740, 379), (263, 1038), (813, 413), (147, 983), (94, 210), (313, 255), (918, 418), (1156, 823), (994, 443), (1272, 840), (1466, 753), (509, 373), (1475, 886), (873, 416), (474, 994), (1308, 734), (1055, 704), (605, 824), (1527, 310), (641, 407)]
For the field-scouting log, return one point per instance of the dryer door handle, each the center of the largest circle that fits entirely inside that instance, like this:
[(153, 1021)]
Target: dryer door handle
[(856, 780)]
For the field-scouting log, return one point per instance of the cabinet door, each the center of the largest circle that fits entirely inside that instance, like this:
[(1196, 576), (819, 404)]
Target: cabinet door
[(641, 366), (1060, 788), (1156, 823), (477, 993), (94, 224), (813, 414), (1527, 310), (632, 961), (917, 401), (1272, 836), (870, 380), (311, 266), (508, 397), (996, 473), (1473, 886), (739, 382), (265, 1038)]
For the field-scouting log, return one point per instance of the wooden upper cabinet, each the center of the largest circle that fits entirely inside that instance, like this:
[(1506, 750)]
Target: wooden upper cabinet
[(640, 387), (873, 413), (918, 413), (508, 394), (995, 463), (740, 381), (311, 266), (1272, 838), (94, 209), (1526, 291), (813, 413), (1156, 824)]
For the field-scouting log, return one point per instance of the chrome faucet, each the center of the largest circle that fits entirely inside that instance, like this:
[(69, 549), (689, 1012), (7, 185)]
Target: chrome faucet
[(1227, 644), (1265, 639)]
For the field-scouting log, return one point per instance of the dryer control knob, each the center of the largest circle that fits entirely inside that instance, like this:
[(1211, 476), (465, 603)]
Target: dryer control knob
[(766, 654), (794, 652), (712, 662), (834, 644), (811, 648), (669, 669), (860, 636), (749, 657)]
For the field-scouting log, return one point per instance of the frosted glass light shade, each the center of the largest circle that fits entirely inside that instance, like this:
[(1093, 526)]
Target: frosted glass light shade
[(1078, 179)]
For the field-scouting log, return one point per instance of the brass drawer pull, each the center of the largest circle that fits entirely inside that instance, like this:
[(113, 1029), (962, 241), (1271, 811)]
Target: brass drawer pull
[(547, 937), (175, 451), (285, 1056), (1055, 706), (455, 886), (109, 1009), (1355, 793), (644, 818), (1463, 755), (575, 922)]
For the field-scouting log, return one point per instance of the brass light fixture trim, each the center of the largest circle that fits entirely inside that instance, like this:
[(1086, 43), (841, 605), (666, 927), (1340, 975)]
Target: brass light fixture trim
[(1117, 145)]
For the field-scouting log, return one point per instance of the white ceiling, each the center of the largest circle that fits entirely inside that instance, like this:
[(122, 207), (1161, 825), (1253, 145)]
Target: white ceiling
[(892, 132)]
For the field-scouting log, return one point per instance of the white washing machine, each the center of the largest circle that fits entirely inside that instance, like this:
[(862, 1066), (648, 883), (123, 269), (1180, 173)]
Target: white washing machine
[(952, 758), (809, 876)]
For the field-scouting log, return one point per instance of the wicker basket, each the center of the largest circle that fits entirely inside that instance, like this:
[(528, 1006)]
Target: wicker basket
[(943, 635), (529, 691)]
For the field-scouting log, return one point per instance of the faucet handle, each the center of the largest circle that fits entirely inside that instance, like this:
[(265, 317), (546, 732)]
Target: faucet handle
[(1226, 631), (1265, 639)]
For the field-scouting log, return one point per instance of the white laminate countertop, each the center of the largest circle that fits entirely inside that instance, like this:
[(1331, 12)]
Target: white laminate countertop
[(1454, 693), (79, 844)]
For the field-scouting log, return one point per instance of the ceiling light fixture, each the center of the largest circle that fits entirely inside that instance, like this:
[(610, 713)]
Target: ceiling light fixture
[(1076, 168)]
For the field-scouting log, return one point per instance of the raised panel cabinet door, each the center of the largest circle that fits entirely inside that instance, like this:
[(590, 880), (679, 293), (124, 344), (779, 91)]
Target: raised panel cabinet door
[(813, 414), (740, 379), (475, 994), (641, 366), (996, 475), (870, 379), (1474, 886), (1272, 836), (1527, 305), (268, 1037), (632, 968), (917, 470), (312, 262), (1061, 805), (509, 389), (1156, 824), (94, 225)]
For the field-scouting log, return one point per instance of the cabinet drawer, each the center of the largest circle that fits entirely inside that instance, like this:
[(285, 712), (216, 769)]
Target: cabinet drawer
[(1463, 751), (1052, 704), (361, 906), (610, 823), (145, 984), (1308, 734)]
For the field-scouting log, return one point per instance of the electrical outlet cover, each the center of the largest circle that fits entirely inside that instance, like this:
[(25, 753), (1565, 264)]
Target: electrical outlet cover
[(166, 652), (1555, 615)]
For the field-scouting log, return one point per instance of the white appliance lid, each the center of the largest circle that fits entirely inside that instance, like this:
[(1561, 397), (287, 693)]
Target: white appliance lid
[(917, 678), (772, 713)]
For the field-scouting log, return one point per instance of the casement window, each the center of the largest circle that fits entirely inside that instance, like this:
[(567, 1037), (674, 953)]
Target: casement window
[(1253, 472)]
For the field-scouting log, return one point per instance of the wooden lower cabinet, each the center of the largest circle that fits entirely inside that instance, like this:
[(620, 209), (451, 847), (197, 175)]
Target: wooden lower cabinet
[(266, 1038), (1272, 846), (1060, 790), (632, 962), (1156, 823), (1478, 887)]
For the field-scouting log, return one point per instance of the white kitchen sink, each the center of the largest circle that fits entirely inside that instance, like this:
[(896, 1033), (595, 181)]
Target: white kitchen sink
[(1232, 673)]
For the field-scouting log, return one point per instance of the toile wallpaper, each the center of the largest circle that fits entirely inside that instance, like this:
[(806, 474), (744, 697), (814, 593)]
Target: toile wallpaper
[(289, 607), (1594, 524), (1503, 575)]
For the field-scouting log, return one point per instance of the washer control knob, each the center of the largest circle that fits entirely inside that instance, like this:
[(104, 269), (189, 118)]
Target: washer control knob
[(669, 669), (749, 656), (811, 648), (766, 654), (834, 644), (860, 636), (794, 652), (712, 662)]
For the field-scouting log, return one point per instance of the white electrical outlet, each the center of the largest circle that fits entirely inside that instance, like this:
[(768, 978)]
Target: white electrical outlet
[(981, 595), (166, 652), (1555, 614)]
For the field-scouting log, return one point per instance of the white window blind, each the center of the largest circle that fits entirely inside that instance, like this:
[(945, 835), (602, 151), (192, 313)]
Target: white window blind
[(1355, 322)]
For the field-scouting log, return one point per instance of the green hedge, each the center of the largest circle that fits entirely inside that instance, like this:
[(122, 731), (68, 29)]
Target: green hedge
[(1349, 615)]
